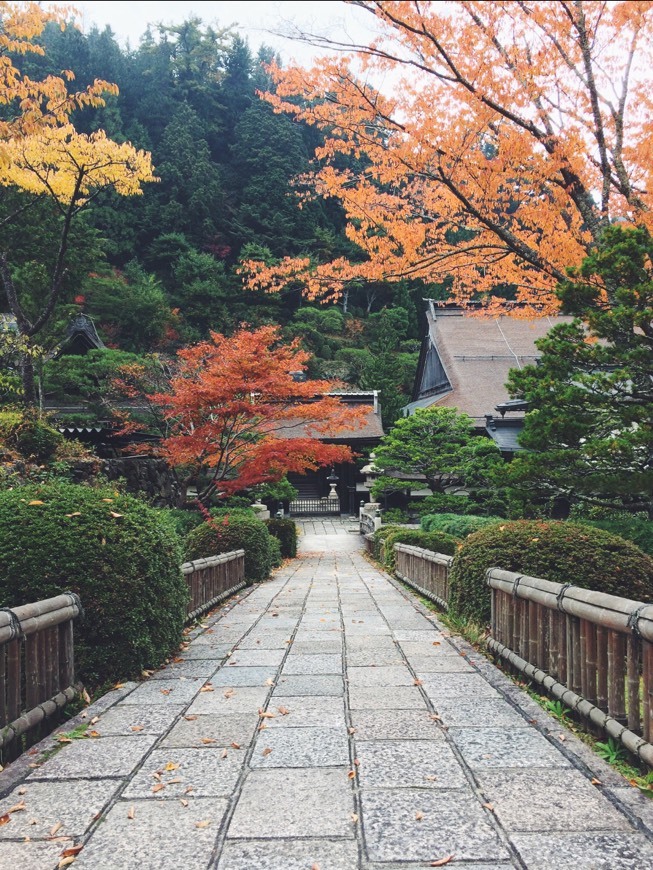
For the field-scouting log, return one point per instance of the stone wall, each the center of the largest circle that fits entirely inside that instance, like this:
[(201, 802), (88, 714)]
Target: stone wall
[(146, 476)]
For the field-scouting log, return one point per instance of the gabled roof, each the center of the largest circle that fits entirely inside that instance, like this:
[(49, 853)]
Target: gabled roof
[(466, 357), (371, 430), (81, 336)]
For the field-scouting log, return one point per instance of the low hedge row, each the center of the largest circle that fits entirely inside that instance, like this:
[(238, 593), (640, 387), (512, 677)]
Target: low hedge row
[(387, 536), (234, 530), (563, 552), (458, 525), (286, 533), (119, 555)]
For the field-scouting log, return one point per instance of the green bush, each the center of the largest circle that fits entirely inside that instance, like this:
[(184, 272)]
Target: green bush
[(121, 557), (233, 530), (456, 524), (275, 552), (31, 438), (639, 530), (183, 520), (286, 533), (562, 552), (438, 542)]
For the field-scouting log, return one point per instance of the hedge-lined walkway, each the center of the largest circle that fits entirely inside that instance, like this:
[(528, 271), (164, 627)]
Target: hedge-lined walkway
[(324, 720)]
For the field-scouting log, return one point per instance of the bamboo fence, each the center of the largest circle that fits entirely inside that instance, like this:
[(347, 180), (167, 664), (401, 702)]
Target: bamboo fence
[(425, 571), (588, 649), (37, 670), (592, 651), (212, 580)]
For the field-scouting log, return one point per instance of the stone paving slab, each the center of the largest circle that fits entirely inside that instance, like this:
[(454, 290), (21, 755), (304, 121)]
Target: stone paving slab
[(129, 719), (548, 800), (96, 757), (408, 764), (229, 701), (162, 835), (382, 675), (477, 712), (31, 856), (413, 754), (175, 772), (178, 691), (306, 711), (211, 730), (582, 851), (321, 663), (71, 804), (294, 803), (318, 684), (247, 658), (427, 825), (289, 855), (386, 698), (227, 676), (301, 747), (395, 725), (483, 748)]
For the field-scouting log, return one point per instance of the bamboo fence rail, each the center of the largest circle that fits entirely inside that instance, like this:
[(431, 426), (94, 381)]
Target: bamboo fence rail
[(588, 649), (37, 670), (425, 571), (592, 651), (212, 580)]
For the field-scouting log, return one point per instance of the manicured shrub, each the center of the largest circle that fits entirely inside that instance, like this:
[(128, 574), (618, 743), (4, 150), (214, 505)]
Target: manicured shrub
[(562, 552), (380, 535), (275, 552), (286, 533), (438, 542), (183, 520), (233, 530), (31, 438), (121, 557), (458, 525), (639, 530)]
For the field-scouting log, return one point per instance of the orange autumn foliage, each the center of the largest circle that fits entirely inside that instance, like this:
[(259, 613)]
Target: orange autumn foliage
[(238, 417), (501, 139)]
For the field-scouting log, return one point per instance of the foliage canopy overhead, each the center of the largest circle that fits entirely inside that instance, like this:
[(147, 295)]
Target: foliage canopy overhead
[(512, 134)]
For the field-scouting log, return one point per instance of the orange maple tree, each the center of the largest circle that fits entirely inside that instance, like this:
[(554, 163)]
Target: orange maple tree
[(238, 416), (490, 142), (44, 157)]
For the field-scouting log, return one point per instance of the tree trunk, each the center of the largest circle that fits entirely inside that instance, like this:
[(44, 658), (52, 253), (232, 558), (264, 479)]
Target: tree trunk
[(29, 384)]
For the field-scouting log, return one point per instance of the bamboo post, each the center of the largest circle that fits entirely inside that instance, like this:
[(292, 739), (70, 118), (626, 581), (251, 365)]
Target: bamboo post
[(647, 674), (633, 650), (616, 656), (590, 662)]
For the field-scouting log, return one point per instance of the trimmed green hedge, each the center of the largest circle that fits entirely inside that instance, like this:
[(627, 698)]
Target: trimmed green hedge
[(387, 536), (562, 552), (286, 533), (438, 542), (636, 529), (120, 556), (233, 530), (459, 525)]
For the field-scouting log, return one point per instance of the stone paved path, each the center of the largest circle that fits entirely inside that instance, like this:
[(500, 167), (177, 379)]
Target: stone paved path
[(323, 720)]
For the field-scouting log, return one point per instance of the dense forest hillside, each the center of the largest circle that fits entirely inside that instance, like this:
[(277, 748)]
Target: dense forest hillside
[(160, 270)]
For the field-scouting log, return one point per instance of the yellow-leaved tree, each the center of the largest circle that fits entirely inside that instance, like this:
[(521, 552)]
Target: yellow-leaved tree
[(487, 142), (43, 156)]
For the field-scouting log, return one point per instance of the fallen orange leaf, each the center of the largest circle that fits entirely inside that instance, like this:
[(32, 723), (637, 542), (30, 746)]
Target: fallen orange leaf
[(442, 861), (131, 813), (72, 850), (56, 827), (4, 820), (202, 824)]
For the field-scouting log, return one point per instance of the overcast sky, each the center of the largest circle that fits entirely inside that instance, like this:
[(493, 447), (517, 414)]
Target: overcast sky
[(256, 20)]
